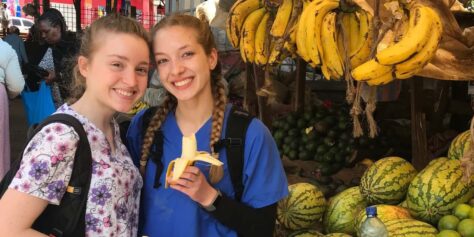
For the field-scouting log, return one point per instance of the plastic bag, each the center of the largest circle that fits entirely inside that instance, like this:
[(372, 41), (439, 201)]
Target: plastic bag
[(38, 104)]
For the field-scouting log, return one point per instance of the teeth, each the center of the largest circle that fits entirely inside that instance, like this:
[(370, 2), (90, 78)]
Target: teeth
[(124, 92), (182, 83)]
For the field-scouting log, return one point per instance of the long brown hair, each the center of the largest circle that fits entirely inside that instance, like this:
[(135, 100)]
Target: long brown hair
[(91, 39), (206, 40)]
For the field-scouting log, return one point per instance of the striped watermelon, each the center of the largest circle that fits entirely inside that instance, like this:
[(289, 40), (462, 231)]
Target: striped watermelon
[(403, 204), (306, 233), (342, 209), (459, 145), (437, 189), (304, 205), (337, 235), (387, 181), (410, 228), (384, 213)]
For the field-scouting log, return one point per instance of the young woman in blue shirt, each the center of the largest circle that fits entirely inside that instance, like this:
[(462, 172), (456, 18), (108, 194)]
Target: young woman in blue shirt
[(201, 202)]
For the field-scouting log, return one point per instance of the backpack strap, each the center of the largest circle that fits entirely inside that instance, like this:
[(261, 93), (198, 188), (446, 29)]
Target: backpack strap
[(68, 218), (234, 142)]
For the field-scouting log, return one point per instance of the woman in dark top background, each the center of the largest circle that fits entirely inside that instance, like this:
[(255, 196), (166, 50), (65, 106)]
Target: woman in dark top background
[(50, 47)]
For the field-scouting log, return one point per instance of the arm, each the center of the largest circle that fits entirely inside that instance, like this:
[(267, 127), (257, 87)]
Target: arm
[(264, 183), (19, 211), (23, 52), (250, 221), (40, 180), (14, 80)]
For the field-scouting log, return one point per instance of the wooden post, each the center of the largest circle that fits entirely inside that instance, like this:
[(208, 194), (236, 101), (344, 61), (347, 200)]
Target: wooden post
[(77, 7), (300, 84), (259, 78), (419, 144), (250, 98)]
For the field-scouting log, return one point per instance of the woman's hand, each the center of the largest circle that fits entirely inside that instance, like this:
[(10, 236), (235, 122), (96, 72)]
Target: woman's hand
[(194, 184)]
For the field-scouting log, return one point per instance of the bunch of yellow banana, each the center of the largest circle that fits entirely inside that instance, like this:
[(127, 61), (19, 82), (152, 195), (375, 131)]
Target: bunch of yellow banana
[(189, 155), (406, 57), (320, 41), (263, 33)]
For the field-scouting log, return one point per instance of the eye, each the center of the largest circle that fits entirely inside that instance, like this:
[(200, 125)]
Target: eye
[(188, 54), (116, 65), (142, 70), (161, 61)]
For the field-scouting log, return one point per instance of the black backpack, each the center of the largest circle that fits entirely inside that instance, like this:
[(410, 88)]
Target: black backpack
[(68, 218), (234, 142)]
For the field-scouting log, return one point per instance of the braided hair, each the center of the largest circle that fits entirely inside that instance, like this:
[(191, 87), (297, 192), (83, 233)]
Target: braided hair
[(206, 39)]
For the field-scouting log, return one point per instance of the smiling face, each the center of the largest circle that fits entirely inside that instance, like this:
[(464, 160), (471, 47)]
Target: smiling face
[(117, 71), (183, 65), (51, 34)]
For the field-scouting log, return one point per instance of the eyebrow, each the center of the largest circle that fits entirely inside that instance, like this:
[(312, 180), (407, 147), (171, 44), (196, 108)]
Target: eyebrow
[(125, 58), (180, 48)]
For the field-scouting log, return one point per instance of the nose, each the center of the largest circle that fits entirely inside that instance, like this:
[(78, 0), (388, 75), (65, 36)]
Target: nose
[(177, 67), (130, 77)]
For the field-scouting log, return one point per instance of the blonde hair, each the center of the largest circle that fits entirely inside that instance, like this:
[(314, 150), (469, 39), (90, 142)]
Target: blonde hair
[(206, 40), (90, 41)]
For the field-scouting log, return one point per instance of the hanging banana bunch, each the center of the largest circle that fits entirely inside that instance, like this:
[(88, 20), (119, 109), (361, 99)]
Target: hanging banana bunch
[(406, 57), (325, 32), (263, 30)]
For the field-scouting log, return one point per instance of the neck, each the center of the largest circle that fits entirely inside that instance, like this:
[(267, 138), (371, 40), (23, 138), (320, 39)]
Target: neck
[(92, 111), (191, 115)]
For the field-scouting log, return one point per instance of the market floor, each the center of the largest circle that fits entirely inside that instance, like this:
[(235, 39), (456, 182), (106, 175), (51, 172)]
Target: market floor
[(18, 127)]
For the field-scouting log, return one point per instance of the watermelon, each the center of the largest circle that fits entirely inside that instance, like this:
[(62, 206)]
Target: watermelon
[(403, 204), (384, 213), (437, 189), (410, 228), (306, 233), (337, 235), (341, 211), (387, 181), (304, 205), (459, 145)]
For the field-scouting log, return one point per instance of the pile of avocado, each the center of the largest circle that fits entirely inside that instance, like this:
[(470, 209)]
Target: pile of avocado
[(321, 133)]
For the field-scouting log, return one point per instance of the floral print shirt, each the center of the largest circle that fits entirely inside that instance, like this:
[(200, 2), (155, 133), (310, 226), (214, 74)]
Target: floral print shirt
[(113, 200)]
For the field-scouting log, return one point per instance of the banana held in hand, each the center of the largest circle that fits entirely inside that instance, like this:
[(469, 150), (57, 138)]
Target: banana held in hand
[(189, 155)]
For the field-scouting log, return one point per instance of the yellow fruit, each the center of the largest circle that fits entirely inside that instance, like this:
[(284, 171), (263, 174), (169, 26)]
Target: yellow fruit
[(471, 214), (466, 228), (462, 211), (448, 222), (448, 233)]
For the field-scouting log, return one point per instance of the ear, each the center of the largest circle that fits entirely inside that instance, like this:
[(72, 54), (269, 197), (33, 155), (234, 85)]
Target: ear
[(83, 63), (213, 59)]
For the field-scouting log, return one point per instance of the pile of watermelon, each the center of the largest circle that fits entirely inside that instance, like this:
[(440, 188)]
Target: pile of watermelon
[(408, 203)]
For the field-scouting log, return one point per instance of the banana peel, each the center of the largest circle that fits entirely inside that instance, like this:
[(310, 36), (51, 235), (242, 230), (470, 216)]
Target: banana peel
[(189, 155)]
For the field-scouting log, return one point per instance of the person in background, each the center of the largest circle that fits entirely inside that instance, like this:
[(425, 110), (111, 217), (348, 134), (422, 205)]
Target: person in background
[(11, 85), (202, 201), (109, 77), (4, 18), (62, 47), (13, 38)]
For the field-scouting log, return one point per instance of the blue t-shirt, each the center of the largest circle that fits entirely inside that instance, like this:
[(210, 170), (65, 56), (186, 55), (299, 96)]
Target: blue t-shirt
[(168, 212)]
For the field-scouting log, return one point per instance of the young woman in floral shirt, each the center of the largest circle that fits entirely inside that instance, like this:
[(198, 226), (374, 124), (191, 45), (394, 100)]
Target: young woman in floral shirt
[(110, 75)]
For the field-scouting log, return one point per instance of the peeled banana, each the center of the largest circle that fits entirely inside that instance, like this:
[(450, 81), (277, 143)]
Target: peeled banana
[(189, 155)]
